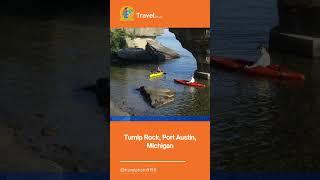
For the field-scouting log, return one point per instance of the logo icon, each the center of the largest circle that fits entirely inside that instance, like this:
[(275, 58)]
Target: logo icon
[(127, 13)]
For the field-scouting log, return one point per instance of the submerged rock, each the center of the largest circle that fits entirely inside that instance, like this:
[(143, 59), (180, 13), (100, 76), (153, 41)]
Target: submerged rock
[(157, 97), (160, 51)]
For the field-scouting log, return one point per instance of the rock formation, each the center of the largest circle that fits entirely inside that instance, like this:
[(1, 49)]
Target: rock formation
[(157, 97), (298, 30), (138, 36), (154, 51), (144, 32), (136, 55), (159, 51), (193, 39), (197, 42)]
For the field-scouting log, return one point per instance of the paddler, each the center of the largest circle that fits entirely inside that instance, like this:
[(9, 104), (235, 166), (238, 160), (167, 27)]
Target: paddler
[(264, 59), (156, 71), (192, 80), (159, 70)]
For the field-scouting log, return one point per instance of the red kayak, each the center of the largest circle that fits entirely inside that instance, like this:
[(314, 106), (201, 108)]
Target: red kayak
[(272, 71), (185, 82)]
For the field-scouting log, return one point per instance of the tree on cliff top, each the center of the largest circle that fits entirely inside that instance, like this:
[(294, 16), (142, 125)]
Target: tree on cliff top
[(117, 40)]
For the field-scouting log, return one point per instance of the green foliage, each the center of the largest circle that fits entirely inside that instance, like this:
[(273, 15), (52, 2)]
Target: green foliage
[(131, 36), (117, 40)]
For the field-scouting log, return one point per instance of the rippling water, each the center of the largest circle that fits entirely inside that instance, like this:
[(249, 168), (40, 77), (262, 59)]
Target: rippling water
[(261, 124), (125, 78)]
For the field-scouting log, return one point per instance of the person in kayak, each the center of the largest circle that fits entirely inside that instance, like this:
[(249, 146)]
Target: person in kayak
[(191, 80), (264, 59), (156, 71), (159, 70)]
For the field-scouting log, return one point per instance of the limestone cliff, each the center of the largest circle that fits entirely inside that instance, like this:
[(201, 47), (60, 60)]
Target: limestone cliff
[(196, 40), (138, 36), (144, 32)]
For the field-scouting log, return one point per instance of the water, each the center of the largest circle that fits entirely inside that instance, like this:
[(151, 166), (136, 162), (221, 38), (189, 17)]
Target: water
[(240, 26), (125, 78), (261, 125)]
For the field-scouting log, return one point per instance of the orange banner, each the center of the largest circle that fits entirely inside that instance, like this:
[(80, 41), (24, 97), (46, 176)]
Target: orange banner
[(160, 150), (160, 13)]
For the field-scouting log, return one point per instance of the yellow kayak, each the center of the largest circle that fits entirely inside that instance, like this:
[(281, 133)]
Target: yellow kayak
[(158, 74)]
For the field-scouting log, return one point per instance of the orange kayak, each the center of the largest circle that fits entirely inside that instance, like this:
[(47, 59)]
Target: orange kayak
[(272, 71)]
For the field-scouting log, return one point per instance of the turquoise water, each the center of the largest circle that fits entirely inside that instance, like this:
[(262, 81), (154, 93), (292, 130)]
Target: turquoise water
[(125, 78)]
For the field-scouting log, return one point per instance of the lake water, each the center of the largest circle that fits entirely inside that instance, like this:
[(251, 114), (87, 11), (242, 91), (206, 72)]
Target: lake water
[(261, 124), (125, 78)]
